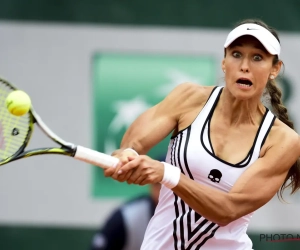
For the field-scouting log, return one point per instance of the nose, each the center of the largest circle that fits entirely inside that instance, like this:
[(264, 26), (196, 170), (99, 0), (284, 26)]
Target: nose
[(245, 65)]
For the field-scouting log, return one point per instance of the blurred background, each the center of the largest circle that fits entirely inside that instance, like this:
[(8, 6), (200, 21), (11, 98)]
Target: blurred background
[(91, 67)]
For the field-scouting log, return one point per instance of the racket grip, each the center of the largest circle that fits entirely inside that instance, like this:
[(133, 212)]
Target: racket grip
[(96, 158)]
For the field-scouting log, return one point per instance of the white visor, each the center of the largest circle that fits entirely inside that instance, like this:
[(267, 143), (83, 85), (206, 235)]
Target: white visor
[(267, 39)]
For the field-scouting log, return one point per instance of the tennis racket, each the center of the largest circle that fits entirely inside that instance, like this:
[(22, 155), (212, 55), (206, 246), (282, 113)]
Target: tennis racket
[(16, 131)]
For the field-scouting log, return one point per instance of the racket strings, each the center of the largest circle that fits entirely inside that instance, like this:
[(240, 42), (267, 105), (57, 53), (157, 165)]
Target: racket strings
[(13, 129)]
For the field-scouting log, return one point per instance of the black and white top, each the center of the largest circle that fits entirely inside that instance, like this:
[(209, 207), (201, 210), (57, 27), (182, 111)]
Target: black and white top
[(175, 226)]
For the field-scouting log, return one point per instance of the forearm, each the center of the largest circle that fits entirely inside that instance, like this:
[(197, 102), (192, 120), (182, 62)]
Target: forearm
[(222, 208), (133, 139), (213, 204)]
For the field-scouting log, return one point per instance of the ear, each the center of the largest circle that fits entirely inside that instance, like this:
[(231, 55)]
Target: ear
[(276, 69), (223, 65)]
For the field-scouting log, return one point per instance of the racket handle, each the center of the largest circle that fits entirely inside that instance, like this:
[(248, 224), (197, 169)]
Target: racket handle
[(96, 158)]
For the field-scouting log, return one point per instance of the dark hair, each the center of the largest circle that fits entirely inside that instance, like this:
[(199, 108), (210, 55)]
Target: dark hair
[(282, 114)]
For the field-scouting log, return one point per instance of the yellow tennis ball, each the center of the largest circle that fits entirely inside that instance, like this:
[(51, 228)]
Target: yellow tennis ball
[(18, 103)]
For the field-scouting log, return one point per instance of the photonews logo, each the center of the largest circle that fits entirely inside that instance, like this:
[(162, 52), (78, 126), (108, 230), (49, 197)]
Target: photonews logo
[(124, 86), (279, 237)]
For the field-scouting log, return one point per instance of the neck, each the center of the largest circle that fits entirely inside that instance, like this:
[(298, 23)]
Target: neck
[(236, 112)]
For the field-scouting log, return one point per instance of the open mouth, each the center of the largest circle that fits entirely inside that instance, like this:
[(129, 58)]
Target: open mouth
[(244, 82)]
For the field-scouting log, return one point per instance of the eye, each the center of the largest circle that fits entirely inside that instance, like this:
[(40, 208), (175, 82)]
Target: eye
[(236, 54), (257, 58)]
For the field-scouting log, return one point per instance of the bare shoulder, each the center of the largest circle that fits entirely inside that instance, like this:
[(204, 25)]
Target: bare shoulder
[(189, 93), (185, 102), (283, 137)]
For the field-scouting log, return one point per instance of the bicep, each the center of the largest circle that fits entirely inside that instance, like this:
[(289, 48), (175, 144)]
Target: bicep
[(159, 121), (258, 184)]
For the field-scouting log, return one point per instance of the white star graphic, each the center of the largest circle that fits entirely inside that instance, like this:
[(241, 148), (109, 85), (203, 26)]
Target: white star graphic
[(126, 112)]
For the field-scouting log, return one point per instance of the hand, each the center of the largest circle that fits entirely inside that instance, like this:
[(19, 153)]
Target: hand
[(123, 156), (143, 170)]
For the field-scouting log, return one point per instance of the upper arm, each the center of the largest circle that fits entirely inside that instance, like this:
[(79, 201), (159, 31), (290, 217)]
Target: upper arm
[(260, 182), (158, 122)]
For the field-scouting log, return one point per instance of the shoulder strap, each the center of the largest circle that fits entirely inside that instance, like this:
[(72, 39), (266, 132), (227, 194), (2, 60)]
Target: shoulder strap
[(264, 131), (211, 101)]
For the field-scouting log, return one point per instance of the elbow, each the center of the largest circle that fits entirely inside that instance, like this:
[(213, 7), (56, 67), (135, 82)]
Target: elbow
[(226, 217), (228, 213), (225, 220)]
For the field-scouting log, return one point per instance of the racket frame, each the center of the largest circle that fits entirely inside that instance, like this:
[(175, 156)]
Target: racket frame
[(78, 152)]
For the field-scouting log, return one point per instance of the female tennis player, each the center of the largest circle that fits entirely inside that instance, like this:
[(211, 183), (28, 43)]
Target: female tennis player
[(228, 154)]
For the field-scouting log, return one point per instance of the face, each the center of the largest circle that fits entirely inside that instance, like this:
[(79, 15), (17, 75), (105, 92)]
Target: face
[(248, 66)]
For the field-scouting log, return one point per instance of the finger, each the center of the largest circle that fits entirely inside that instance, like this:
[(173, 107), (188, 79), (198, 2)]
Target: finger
[(139, 180), (131, 158), (125, 176), (123, 161), (145, 182), (120, 178), (134, 177), (109, 172), (128, 174), (129, 166)]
